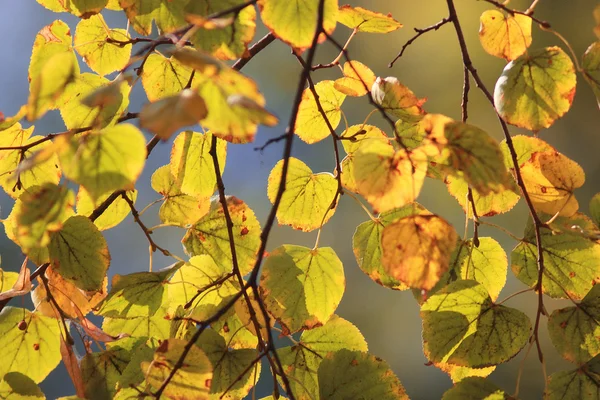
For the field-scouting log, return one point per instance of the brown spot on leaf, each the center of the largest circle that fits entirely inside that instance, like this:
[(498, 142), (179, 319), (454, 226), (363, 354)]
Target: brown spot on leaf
[(36, 346), (354, 363), (563, 324), (572, 274), (244, 231), (226, 328), (208, 382), (543, 189)]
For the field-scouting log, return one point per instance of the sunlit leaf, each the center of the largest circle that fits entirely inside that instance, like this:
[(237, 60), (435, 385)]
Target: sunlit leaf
[(102, 370), (157, 326), (246, 107), (141, 350), (191, 381), (475, 388), (505, 36), (21, 286), (7, 122), (30, 343), (410, 133), (192, 165), (356, 135), (81, 8), (307, 198), (200, 61), (536, 89), (302, 287), (52, 39), (209, 235), (485, 205), (103, 161), (367, 21), (163, 77), (591, 67), (346, 374), (417, 249), (167, 15), (357, 81), (462, 326), (580, 383), (79, 253), (458, 373), (229, 367), (7, 279), (366, 244), (571, 261), (15, 385), (112, 216), (301, 362), (99, 53), (397, 99), (295, 21), (311, 127)]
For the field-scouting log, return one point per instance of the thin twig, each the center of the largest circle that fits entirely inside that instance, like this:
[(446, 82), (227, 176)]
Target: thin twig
[(420, 32), (528, 13), (147, 233)]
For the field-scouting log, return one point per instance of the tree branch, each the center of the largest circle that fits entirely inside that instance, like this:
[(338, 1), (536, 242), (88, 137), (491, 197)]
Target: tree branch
[(420, 32)]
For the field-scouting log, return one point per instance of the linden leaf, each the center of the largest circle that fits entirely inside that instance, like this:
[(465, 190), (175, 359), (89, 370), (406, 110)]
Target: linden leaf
[(306, 201), (462, 326), (571, 261), (245, 107), (76, 115), (417, 249), (580, 383), (163, 77), (575, 330), (102, 370), (311, 127), (40, 212), (363, 20), (103, 161), (347, 374), (15, 385), (115, 213), (525, 148), (302, 287), (235, 331), (595, 209), (366, 244), (231, 41), (475, 388), (6, 123), (192, 165), (231, 377), (81, 8), (51, 40), (30, 343), (177, 208), (397, 99), (536, 89), (79, 253), (99, 47), (157, 326), (591, 67), (357, 81), (210, 236), (167, 15), (485, 205), (7, 280), (301, 362), (356, 135), (44, 168), (388, 179), (191, 381), (410, 133), (295, 21), (505, 36), (138, 294)]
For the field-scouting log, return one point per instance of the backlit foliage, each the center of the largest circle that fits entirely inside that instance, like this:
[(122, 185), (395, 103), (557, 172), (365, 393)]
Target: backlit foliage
[(200, 327)]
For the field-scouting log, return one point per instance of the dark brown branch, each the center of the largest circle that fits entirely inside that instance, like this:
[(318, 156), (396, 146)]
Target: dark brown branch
[(420, 32), (543, 24), (254, 50), (218, 282)]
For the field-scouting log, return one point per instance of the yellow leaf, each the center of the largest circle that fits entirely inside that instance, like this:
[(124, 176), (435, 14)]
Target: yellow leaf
[(310, 125), (397, 99), (162, 77), (367, 21), (112, 216), (505, 36), (357, 81), (417, 249)]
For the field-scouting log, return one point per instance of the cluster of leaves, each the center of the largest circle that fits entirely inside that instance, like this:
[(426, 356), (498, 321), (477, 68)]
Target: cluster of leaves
[(200, 327)]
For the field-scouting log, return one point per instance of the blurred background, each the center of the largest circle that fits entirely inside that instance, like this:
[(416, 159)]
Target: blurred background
[(432, 68)]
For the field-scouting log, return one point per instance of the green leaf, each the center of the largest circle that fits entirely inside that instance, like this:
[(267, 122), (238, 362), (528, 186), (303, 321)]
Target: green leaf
[(40, 212), (367, 21), (210, 236), (92, 43), (575, 330), (306, 201), (486, 264), (582, 383), (505, 36), (81, 8), (192, 165), (15, 385), (167, 15), (595, 209), (177, 208), (485, 205), (112, 216), (475, 388), (7, 280), (44, 162), (301, 361), (571, 261), (462, 326), (163, 77), (591, 68), (196, 280), (103, 161), (311, 127), (191, 381), (141, 350), (229, 42), (79, 253), (229, 367), (536, 89), (137, 295), (295, 21), (31, 348), (357, 80), (102, 370), (51, 40), (366, 244), (77, 115), (157, 326), (411, 133), (302, 287), (347, 374)]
